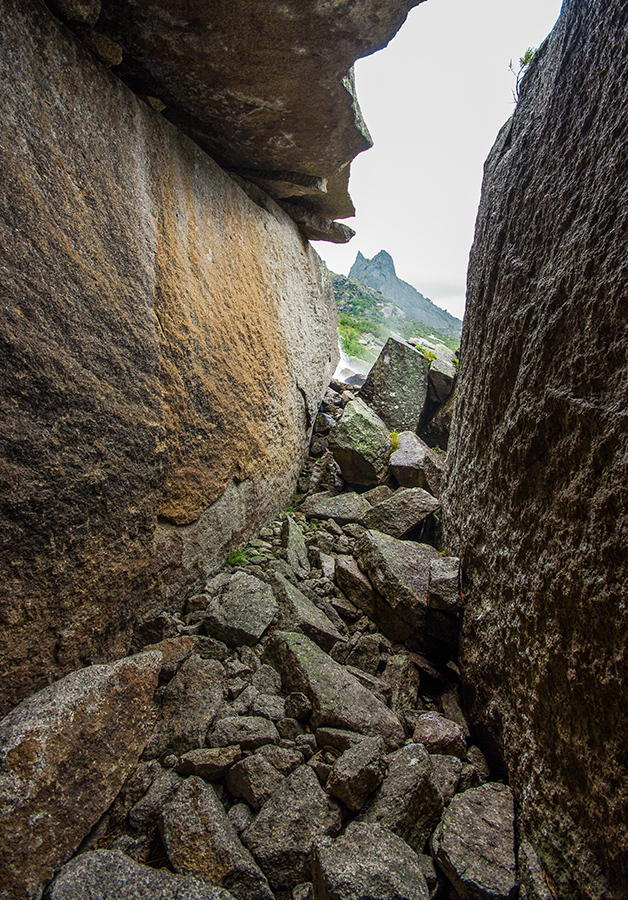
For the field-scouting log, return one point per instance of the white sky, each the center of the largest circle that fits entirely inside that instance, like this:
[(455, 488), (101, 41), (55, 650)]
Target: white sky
[(434, 100)]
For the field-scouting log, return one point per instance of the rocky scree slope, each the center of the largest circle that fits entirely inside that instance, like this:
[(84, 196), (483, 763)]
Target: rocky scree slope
[(293, 731)]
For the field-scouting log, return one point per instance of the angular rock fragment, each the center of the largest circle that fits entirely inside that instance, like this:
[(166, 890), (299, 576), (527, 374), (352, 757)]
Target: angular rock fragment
[(294, 543), (105, 874), (405, 509), (448, 770), (144, 814), (357, 773), (241, 612), (400, 572), (403, 677), (414, 464), (474, 844), (368, 861), (444, 590), (342, 508), (268, 706), (296, 612), (267, 680), (532, 884), (409, 801), (361, 445), (396, 386), (209, 763), (338, 739), (338, 699), (201, 841), (442, 377), (440, 735), (284, 760), (65, 753), (254, 780), (250, 732), (354, 583), (435, 432), (298, 706), (189, 704), (286, 828)]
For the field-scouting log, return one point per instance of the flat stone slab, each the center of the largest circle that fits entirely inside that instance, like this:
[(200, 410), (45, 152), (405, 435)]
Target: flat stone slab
[(405, 509), (290, 822), (241, 612), (338, 699), (250, 732), (104, 874), (368, 861), (65, 753), (342, 508), (201, 841), (296, 612), (474, 844)]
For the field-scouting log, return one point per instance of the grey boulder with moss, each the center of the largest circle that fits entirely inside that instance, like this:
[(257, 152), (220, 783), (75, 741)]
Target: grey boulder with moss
[(241, 612), (396, 387), (361, 445)]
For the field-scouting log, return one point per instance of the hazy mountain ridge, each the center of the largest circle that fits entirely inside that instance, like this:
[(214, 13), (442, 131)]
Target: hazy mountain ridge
[(379, 273)]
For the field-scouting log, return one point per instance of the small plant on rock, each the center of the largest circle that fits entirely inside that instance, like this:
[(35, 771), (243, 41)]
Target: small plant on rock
[(238, 558), (394, 440), (524, 65)]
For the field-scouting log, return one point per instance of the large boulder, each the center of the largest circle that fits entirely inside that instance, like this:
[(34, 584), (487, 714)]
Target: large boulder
[(283, 834), (338, 698), (396, 386), (241, 612), (401, 573), (135, 271), (537, 498), (474, 844), (414, 464), (406, 509), (367, 861), (64, 755), (104, 874), (361, 445)]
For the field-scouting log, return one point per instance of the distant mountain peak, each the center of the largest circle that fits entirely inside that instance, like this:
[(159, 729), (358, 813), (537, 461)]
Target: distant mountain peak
[(379, 273)]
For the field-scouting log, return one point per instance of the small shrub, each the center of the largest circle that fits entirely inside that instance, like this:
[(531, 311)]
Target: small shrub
[(238, 558), (428, 354), (394, 440)]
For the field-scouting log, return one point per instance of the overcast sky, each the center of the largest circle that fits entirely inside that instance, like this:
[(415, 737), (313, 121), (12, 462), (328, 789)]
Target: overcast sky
[(434, 100)]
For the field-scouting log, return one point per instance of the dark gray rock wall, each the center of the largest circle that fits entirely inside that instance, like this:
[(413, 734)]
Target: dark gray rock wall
[(537, 502), (164, 345)]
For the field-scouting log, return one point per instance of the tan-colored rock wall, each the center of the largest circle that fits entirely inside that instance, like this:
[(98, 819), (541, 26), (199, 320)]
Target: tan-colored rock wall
[(537, 502), (165, 341)]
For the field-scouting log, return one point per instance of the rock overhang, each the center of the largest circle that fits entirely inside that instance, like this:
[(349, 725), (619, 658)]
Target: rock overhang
[(266, 89)]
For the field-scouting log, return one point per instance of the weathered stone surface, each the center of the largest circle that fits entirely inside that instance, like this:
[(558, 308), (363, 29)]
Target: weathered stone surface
[(405, 509), (270, 90), (435, 432), (298, 705), (134, 454), (342, 508), (254, 779), (367, 861), (250, 732), (440, 735), (298, 613), (361, 445), (474, 843), (209, 762), (144, 815), (400, 572), (404, 679), (338, 699), (409, 801), (242, 612), (294, 543), (104, 874), (414, 464), (282, 835), (396, 386), (357, 773), (201, 841), (64, 754), (532, 883), (537, 503), (447, 769), (442, 376), (189, 704)]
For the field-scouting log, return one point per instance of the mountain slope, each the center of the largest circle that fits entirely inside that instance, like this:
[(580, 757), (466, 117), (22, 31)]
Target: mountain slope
[(379, 273)]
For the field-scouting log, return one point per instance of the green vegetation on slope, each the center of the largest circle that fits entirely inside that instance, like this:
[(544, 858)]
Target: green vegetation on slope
[(360, 314)]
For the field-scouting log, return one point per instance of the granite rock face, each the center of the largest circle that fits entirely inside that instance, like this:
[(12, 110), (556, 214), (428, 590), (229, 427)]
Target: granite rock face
[(146, 299), (266, 89), (66, 751), (538, 485)]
